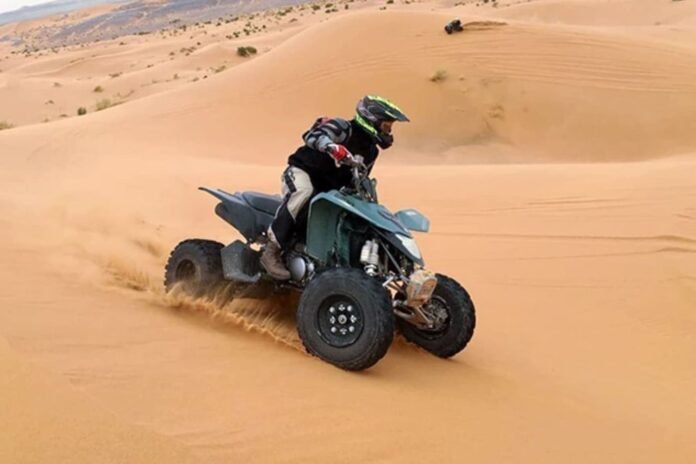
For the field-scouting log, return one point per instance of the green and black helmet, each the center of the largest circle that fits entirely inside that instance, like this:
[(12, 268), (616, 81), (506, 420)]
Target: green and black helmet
[(373, 110)]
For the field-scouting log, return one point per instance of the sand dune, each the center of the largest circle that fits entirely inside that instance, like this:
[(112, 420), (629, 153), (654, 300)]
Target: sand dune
[(584, 273), (556, 164), (45, 420), (42, 85), (553, 94), (602, 12)]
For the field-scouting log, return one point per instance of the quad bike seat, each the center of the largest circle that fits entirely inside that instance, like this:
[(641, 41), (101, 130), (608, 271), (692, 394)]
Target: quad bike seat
[(262, 202)]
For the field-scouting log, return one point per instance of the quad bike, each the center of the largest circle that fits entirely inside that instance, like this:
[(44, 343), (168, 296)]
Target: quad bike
[(357, 266), (454, 26)]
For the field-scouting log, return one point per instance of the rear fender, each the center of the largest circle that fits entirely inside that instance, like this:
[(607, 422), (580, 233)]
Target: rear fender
[(236, 212)]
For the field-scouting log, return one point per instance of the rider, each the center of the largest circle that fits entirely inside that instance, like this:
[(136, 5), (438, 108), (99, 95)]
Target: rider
[(332, 146)]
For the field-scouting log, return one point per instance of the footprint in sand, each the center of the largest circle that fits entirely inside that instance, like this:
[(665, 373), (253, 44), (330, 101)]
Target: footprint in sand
[(496, 112)]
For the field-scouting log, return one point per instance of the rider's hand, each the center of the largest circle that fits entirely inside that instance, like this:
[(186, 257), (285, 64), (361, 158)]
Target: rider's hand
[(338, 152)]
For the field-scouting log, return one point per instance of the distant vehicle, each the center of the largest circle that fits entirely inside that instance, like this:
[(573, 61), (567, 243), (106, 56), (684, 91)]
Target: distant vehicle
[(454, 26)]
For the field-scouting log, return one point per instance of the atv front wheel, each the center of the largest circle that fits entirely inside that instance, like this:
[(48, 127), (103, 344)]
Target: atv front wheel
[(452, 307), (196, 265), (345, 318)]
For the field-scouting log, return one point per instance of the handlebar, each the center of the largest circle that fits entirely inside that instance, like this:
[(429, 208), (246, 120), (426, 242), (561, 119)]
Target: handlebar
[(362, 186)]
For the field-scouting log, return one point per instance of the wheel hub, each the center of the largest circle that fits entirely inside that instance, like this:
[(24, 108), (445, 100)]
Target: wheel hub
[(340, 322), (185, 271), (438, 311)]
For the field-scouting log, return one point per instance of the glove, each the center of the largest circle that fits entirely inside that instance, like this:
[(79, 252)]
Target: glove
[(338, 152)]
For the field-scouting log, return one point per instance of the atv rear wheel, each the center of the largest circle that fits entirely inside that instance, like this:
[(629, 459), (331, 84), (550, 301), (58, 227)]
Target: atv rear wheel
[(345, 318), (452, 307), (196, 265)]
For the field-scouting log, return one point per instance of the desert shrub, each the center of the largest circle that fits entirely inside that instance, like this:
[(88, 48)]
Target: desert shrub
[(439, 75), (99, 89), (246, 51), (81, 111), (104, 104), (5, 125)]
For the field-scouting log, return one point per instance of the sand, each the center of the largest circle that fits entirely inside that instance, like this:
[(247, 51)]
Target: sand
[(555, 161)]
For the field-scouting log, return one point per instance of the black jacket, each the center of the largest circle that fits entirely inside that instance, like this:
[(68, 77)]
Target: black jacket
[(314, 159)]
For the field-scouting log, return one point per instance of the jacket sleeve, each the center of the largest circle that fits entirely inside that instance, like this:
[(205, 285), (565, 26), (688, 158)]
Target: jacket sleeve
[(326, 131)]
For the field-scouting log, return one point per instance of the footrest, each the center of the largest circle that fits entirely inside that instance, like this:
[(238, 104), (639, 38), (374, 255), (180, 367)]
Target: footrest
[(240, 263)]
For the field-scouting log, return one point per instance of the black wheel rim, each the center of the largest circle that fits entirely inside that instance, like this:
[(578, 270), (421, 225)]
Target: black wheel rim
[(340, 321), (185, 271)]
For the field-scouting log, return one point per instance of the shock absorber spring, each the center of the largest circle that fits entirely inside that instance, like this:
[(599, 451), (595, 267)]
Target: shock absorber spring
[(369, 257)]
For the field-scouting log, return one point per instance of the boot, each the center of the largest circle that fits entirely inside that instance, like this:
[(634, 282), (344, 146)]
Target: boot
[(272, 262)]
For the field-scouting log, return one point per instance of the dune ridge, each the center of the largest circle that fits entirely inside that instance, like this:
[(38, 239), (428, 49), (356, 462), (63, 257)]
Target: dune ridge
[(552, 94)]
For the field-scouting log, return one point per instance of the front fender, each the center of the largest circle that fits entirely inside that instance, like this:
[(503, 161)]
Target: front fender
[(327, 209), (373, 213), (413, 220)]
